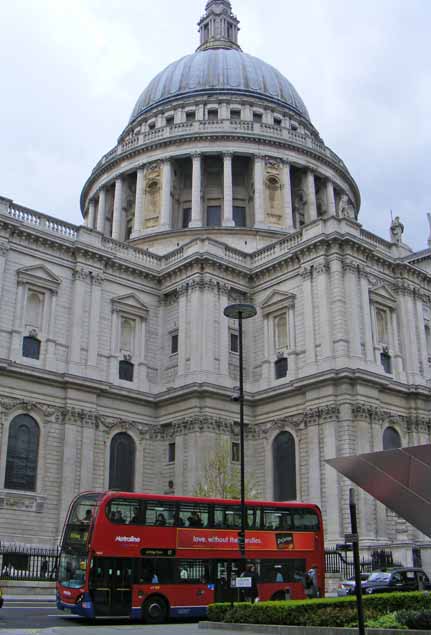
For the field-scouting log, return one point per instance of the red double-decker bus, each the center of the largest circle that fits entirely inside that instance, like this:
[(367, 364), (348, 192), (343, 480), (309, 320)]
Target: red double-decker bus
[(151, 557)]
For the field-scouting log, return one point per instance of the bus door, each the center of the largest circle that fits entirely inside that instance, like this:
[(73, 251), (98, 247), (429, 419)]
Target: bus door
[(111, 586), (226, 572)]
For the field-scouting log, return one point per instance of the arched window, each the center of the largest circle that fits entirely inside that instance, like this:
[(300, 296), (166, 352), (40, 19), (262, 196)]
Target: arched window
[(284, 462), (122, 462), (22, 453), (391, 439)]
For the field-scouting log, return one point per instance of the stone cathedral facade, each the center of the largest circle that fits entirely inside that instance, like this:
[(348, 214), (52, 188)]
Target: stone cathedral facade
[(117, 365)]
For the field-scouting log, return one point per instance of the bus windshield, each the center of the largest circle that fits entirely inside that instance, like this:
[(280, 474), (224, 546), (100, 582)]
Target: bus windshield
[(78, 523), (71, 572)]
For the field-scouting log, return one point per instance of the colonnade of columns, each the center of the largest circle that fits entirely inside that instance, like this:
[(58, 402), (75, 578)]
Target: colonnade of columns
[(97, 206)]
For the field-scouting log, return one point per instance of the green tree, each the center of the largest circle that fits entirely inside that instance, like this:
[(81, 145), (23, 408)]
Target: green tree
[(221, 477)]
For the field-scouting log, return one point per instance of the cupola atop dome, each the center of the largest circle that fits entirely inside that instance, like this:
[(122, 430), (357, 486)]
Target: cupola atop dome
[(219, 27)]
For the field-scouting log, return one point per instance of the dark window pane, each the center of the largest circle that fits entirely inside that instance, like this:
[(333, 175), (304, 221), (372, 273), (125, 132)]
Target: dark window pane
[(160, 514), (169, 121), (171, 453), (257, 117), (190, 116), (214, 216), (235, 115), (174, 344), (386, 361), (234, 342), (235, 452), (284, 459), (125, 370), (391, 439), (281, 368), (239, 216), (213, 115), (31, 347), (22, 454), (187, 216), (122, 462)]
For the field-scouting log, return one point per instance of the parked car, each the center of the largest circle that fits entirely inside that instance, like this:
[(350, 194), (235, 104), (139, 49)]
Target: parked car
[(397, 579), (347, 587)]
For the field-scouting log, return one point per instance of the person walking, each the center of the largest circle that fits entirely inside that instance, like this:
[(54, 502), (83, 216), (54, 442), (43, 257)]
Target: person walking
[(311, 584)]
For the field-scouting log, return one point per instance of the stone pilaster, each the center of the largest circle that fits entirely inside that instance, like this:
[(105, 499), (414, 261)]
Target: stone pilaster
[(287, 198), (408, 332), (101, 211), (183, 292), (80, 277), (310, 345), (196, 306), (118, 210), (87, 455), (366, 316), (223, 301), (352, 307), (321, 271), (51, 361), (227, 191), (138, 223), (332, 512), (16, 340), (166, 206), (3, 255), (93, 325), (259, 203), (313, 452), (311, 197), (70, 456), (196, 220), (115, 345), (330, 198), (421, 332)]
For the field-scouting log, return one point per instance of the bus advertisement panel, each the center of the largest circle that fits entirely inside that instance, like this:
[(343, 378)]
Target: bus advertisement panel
[(152, 557)]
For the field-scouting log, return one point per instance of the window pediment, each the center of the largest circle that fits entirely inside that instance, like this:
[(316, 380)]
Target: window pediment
[(40, 276), (277, 300), (382, 295), (131, 304)]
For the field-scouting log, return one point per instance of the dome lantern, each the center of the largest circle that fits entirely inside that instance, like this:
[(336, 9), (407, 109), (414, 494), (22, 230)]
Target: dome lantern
[(219, 27)]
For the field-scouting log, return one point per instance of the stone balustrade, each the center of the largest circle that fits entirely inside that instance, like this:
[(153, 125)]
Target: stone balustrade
[(41, 221), (246, 128)]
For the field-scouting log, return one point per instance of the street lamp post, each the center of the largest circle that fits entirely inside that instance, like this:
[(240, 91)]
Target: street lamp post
[(241, 312)]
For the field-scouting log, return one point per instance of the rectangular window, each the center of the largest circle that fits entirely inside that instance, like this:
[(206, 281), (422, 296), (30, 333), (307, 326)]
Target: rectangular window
[(190, 116), (31, 347), (213, 115), (235, 452), (386, 362), (170, 121), (281, 368), (193, 515), (257, 117), (151, 125), (125, 370), (213, 216), (235, 115), (234, 343), (171, 453), (277, 121), (239, 216), (187, 217), (174, 344)]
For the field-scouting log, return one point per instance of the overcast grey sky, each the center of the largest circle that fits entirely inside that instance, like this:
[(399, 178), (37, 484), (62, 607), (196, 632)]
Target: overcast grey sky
[(72, 70)]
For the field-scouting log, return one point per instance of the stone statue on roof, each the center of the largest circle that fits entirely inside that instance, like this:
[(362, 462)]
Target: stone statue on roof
[(397, 230)]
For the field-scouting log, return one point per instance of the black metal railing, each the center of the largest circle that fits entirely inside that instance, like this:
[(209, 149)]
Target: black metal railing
[(24, 562), (338, 562)]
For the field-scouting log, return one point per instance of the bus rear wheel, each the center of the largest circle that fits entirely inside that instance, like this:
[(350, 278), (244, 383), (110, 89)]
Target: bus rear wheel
[(155, 610)]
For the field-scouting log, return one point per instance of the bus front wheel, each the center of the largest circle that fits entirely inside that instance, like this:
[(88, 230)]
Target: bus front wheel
[(155, 610)]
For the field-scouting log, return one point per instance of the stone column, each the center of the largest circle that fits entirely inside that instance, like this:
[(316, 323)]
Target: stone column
[(310, 346), (166, 211), (118, 210), (80, 276), (87, 455), (196, 220), (51, 362), (353, 309), (182, 328), (228, 191), (138, 224), (422, 337), (311, 197), (259, 204), (93, 325), (330, 197), (70, 450), (3, 253), (366, 311), (322, 270), (101, 211), (287, 198), (91, 214)]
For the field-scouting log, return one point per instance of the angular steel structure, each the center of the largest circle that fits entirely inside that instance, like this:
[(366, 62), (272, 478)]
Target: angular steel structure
[(400, 479)]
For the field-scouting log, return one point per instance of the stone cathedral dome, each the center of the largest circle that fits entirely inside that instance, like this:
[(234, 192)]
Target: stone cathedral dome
[(221, 71)]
